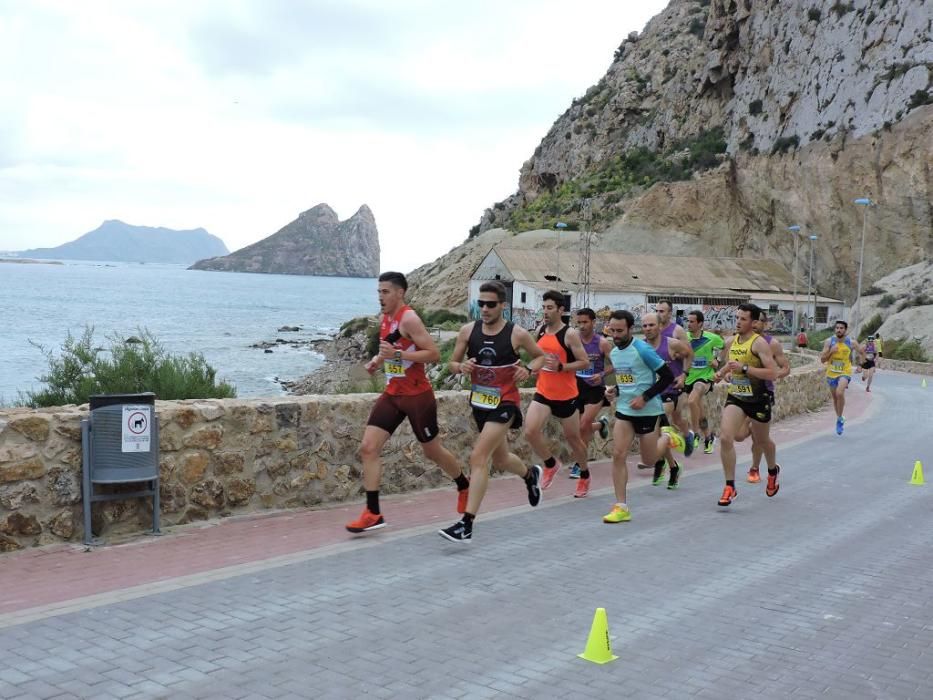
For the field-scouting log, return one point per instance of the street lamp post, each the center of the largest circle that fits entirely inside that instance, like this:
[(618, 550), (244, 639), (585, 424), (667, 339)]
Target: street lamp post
[(795, 229), (857, 308), (560, 226), (812, 322)]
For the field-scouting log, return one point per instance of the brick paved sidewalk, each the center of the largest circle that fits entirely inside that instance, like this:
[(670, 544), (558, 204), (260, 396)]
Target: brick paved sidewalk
[(52, 579)]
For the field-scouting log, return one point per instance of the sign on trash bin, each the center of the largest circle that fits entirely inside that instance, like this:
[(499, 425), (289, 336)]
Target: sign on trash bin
[(136, 428)]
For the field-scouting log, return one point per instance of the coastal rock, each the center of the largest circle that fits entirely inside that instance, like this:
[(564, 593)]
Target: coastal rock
[(316, 243)]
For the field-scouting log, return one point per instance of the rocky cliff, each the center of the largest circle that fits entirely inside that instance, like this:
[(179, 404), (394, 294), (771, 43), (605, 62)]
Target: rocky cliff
[(316, 243), (725, 121), (121, 242)]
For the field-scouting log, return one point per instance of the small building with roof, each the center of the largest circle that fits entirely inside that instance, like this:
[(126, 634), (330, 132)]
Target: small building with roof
[(638, 282)]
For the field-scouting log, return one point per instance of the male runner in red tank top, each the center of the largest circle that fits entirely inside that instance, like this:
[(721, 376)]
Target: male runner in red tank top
[(556, 389), (490, 347), (404, 348)]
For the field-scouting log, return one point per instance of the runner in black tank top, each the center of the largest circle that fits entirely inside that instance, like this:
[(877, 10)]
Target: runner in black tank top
[(486, 354)]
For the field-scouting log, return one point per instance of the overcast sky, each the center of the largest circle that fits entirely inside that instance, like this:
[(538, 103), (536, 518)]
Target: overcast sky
[(237, 115)]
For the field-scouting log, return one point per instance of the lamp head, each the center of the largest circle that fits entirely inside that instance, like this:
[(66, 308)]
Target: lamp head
[(813, 236), (794, 229), (560, 224), (863, 201)]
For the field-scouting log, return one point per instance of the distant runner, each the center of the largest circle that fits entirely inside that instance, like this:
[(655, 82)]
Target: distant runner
[(706, 348), (871, 353), (838, 353)]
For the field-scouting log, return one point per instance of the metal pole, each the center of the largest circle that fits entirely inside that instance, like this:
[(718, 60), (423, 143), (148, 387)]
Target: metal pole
[(857, 307), (812, 311), (794, 230), (559, 225)]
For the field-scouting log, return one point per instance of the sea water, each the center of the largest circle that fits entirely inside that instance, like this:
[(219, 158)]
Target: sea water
[(219, 314)]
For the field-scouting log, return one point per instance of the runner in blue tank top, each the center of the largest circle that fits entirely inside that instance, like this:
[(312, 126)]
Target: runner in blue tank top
[(640, 377)]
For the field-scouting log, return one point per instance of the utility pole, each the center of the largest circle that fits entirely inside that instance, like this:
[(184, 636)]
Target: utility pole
[(587, 240)]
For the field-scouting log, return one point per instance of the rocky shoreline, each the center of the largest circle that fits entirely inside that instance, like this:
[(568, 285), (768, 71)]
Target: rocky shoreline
[(344, 357)]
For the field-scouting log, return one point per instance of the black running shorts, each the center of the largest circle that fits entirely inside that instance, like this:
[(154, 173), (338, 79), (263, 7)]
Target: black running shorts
[(559, 409), (643, 425), (421, 410), (590, 395), (504, 413), (688, 388), (758, 411)]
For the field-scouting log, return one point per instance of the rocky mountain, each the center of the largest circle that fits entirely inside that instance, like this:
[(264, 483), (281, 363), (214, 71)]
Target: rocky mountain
[(726, 121), (904, 301), (316, 243), (120, 242)]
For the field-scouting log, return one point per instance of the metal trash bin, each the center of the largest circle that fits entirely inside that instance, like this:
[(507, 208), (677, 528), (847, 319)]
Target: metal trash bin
[(120, 445)]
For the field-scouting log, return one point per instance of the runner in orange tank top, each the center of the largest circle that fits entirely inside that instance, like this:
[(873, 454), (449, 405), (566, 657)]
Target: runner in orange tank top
[(556, 388), (405, 346)]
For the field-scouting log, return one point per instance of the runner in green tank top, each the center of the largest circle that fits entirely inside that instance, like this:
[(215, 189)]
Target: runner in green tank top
[(701, 375)]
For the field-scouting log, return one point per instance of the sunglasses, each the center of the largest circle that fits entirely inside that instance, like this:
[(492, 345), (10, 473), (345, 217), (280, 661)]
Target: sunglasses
[(487, 304)]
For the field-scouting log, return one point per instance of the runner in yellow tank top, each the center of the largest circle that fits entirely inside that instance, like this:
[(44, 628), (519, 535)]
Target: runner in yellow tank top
[(837, 354), (748, 364)]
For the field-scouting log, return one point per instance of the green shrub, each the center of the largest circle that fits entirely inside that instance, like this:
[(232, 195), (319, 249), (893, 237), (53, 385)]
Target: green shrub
[(920, 98), (785, 143), (355, 325), (919, 300), (870, 326), (872, 291), (816, 338), (903, 349), (887, 300), (754, 107), (128, 366), (814, 14), (438, 317)]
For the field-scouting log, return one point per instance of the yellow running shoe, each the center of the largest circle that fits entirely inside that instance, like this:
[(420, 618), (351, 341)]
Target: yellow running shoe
[(618, 514), (676, 439)]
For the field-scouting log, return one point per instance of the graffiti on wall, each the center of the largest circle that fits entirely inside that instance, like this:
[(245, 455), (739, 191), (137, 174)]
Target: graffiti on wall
[(474, 311)]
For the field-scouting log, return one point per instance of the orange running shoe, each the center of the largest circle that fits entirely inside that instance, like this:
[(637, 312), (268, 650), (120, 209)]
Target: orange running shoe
[(549, 474), (462, 497), (729, 494), (366, 522), (583, 488), (773, 486), (754, 476)]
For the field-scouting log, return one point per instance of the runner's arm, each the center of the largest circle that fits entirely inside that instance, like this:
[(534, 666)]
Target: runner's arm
[(769, 368), (723, 361), (780, 358), (413, 329), (460, 347), (664, 375), (827, 350), (580, 359), (605, 347), (522, 340)]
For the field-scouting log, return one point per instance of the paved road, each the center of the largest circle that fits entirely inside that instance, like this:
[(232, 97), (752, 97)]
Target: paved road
[(823, 591)]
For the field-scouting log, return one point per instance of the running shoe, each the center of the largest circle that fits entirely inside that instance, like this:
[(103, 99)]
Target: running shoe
[(460, 531), (643, 466), (840, 424), (366, 522), (574, 471), (676, 439), (658, 472), (754, 476), (462, 497), (708, 445), (549, 474), (618, 514), (532, 481), (689, 444), (673, 481), (696, 441), (773, 486), (583, 488), (604, 427), (729, 494), (867, 388)]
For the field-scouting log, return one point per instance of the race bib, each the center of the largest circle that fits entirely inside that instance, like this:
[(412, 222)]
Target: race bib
[(624, 376), (838, 366), (869, 356), (486, 397), (585, 373), (393, 369), (740, 386), (699, 363)]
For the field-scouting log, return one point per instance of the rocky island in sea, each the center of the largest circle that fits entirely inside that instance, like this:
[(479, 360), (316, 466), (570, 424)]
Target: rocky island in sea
[(316, 243)]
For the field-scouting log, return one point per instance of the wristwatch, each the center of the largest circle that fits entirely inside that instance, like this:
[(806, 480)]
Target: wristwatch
[(560, 366), (745, 369), (398, 355)]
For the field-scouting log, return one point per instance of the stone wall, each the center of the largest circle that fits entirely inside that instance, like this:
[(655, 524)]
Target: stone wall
[(220, 457)]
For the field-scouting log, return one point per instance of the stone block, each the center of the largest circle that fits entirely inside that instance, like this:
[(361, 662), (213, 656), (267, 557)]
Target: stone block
[(208, 437), (184, 417), (36, 427), (170, 437), (15, 498), (70, 431), (287, 415), (192, 466), (21, 524), (12, 453), (210, 411), (63, 524), (22, 470), (240, 491), (8, 544), (64, 486), (172, 497), (224, 463), (208, 494)]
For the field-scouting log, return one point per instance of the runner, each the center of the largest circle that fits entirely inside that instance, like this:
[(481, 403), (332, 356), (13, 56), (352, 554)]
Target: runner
[(676, 354), (666, 325), (493, 366), (749, 363), (838, 352), (783, 363), (404, 348), (640, 377), (802, 340), (706, 347), (592, 389), (556, 389)]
